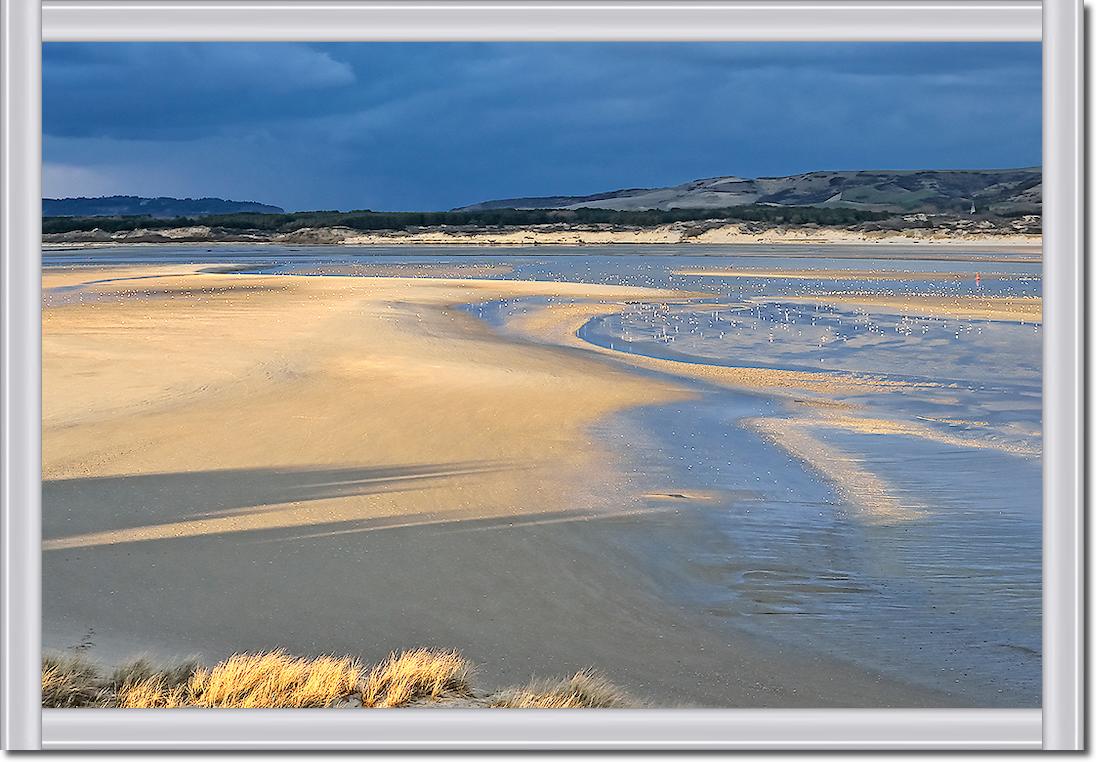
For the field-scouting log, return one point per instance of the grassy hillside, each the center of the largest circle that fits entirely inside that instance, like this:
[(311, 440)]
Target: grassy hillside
[(160, 208), (1005, 192)]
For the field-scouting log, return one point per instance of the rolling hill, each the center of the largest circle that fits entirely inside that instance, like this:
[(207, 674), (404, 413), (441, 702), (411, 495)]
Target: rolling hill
[(159, 208), (1007, 192)]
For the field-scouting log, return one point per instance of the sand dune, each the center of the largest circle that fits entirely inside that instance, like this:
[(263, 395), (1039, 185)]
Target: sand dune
[(679, 233)]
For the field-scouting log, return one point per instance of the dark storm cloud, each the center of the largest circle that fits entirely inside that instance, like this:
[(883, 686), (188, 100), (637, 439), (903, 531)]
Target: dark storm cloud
[(400, 126)]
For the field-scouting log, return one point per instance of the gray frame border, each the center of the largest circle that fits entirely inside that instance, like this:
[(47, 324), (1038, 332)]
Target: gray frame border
[(20, 372), (525, 20), (1059, 726), (1063, 375), (545, 730)]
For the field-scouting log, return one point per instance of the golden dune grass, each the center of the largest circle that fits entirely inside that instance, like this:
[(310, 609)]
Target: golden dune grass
[(276, 680), (261, 680), (140, 685), (584, 690), (272, 680), (415, 675), (151, 693)]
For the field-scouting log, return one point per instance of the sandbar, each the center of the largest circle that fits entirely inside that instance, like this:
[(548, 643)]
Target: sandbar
[(842, 275), (1013, 309)]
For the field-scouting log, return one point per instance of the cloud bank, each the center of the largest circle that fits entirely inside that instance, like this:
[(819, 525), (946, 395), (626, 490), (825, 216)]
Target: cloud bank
[(436, 125)]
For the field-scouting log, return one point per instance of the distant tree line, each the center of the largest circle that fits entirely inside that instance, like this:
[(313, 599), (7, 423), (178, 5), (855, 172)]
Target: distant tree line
[(366, 220)]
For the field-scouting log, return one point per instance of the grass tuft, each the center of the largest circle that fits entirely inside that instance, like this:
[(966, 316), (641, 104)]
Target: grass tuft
[(585, 690), (141, 670), (415, 675), (70, 681), (275, 680), (151, 693), (139, 685)]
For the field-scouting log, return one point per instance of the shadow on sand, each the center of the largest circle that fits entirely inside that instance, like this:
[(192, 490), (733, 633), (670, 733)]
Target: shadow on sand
[(111, 503)]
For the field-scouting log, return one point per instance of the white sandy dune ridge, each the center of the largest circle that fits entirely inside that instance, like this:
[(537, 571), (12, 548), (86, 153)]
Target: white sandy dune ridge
[(558, 235)]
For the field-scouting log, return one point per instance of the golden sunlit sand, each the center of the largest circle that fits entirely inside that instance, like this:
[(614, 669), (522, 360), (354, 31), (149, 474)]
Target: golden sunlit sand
[(321, 375), (1014, 309), (842, 275)]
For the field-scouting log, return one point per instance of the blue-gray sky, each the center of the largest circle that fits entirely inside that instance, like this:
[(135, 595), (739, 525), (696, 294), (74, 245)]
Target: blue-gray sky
[(436, 125)]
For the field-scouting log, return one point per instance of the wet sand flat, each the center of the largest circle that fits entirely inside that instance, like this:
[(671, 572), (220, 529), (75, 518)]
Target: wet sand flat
[(819, 404), (839, 275), (235, 462), (1011, 309)]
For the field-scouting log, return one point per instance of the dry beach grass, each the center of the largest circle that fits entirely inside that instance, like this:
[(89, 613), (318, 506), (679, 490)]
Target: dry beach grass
[(276, 680), (415, 675), (583, 690)]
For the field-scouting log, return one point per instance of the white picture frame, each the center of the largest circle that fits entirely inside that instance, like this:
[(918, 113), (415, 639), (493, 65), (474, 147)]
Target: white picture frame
[(25, 23)]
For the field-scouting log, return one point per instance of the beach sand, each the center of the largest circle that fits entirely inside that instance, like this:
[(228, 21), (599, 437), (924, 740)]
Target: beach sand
[(354, 465), (842, 275), (1006, 308), (350, 371)]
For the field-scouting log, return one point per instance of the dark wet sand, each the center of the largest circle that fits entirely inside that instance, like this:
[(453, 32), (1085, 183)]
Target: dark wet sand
[(524, 599)]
